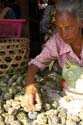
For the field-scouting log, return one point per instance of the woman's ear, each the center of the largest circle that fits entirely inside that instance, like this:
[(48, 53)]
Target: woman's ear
[(81, 24)]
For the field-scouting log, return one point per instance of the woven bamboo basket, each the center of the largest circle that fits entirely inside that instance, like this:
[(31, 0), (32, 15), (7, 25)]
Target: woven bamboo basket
[(14, 53)]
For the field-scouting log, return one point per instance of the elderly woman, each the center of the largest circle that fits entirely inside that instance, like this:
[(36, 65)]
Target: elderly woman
[(66, 43)]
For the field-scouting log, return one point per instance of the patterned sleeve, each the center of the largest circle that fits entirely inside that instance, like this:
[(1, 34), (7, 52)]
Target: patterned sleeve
[(44, 23)]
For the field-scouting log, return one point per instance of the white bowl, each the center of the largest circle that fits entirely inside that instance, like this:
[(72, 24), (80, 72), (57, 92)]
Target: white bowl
[(70, 91)]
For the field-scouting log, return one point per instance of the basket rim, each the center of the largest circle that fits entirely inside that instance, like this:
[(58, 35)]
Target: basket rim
[(12, 20), (63, 84)]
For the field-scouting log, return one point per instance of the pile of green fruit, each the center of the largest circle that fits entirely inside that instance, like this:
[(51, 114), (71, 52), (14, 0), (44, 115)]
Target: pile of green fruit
[(12, 111)]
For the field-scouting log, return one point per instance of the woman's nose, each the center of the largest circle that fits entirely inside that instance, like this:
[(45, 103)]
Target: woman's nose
[(64, 33)]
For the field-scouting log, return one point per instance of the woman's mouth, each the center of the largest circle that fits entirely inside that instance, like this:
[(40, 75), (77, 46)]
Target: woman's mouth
[(67, 40)]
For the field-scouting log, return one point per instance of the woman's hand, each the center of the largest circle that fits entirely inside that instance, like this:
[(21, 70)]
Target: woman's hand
[(31, 97)]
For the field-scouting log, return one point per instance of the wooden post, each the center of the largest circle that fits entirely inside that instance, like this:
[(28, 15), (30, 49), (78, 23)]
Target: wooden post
[(24, 8)]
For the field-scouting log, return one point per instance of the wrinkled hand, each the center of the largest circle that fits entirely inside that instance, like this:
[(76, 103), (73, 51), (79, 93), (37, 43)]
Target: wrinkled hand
[(31, 97)]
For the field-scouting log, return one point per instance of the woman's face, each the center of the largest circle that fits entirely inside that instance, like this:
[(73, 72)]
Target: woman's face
[(68, 27)]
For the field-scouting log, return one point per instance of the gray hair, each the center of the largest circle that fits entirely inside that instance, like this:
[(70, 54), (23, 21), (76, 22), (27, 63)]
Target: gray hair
[(71, 6)]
